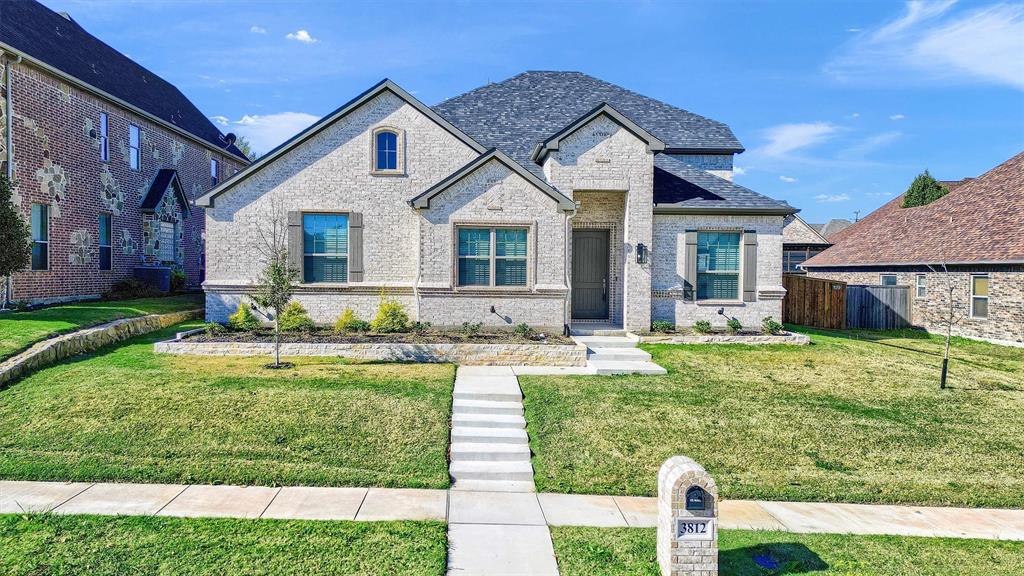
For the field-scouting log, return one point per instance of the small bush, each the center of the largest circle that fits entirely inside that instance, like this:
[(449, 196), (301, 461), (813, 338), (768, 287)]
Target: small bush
[(662, 326), (359, 326), (346, 321), (420, 328), (178, 280), (294, 318), (391, 317), (214, 329), (243, 319), (733, 325), (523, 330), (471, 328), (702, 327), (131, 288), (770, 326)]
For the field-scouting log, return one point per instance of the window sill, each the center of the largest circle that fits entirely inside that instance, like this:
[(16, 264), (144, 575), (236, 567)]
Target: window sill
[(392, 173), (323, 284), (493, 289), (719, 302)]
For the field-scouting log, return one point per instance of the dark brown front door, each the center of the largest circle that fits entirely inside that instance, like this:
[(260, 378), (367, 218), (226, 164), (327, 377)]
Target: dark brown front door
[(590, 274)]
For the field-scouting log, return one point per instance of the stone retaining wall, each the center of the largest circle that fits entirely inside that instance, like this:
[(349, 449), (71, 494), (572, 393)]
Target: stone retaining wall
[(786, 338), (463, 354), (60, 347)]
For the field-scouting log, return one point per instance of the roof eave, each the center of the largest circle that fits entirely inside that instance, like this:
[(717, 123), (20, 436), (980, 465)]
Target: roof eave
[(702, 150), (918, 263), (736, 211)]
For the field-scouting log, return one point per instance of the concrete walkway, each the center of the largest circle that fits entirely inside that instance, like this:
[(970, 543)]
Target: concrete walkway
[(493, 508)]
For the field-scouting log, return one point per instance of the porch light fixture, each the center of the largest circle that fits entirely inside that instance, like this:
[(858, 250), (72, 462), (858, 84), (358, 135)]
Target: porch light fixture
[(641, 254)]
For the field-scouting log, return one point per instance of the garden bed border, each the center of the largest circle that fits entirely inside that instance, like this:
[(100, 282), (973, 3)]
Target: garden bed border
[(792, 338)]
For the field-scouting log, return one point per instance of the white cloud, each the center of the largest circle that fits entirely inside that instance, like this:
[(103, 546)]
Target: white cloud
[(258, 30), (220, 120), (832, 197), (854, 115), (265, 131), (870, 144), (897, 117), (739, 170), (301, 36), (788, 179), (786, 138), (876, 194), (931, 42), (854, 30)]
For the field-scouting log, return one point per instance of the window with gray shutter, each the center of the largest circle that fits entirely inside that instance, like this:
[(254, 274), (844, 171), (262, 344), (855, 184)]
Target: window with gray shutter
[(750, 266)]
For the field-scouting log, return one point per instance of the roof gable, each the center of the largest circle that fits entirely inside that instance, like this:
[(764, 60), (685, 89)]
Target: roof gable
[(385, 85), (165, 178), (604, 109), (796, 231), (423, 200)]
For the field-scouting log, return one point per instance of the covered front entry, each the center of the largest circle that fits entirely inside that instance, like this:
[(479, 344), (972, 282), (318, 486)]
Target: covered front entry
[(590, 274)]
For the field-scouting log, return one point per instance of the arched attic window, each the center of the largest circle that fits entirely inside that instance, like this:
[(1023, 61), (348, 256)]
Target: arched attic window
[(387, 155)]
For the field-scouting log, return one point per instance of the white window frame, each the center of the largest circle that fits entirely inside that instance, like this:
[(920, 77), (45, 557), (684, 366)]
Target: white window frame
[(134, 152), (921, 286), (895, 280), (492, 257), (104, 137), (214, 171), (987, 298)]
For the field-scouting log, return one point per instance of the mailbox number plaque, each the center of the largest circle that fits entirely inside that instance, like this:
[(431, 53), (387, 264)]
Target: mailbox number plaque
[(695, 528)]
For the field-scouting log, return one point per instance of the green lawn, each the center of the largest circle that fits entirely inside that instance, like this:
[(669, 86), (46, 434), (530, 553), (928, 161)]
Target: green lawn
[(103, 545), (18, 330), (127, 414), (854, 417), (631, 552)]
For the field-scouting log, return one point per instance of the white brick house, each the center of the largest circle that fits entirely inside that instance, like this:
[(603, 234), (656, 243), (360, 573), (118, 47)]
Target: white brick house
[(550, 198)]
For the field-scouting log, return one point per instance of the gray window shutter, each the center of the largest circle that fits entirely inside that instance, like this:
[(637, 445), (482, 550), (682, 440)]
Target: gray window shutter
[(690, 279), (295, 241), (750, 266), (355, 247)]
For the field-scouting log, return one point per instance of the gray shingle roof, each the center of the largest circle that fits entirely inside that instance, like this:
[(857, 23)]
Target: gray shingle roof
[(680, 186)]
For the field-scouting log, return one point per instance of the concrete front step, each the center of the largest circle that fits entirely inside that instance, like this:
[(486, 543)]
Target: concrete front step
[(494, 407), (489, 435), (596, 330), (486, 389), (505, 471), (494, 486), (480, 452), (634, 354), (608, 367), (606, 341), (488, 420)]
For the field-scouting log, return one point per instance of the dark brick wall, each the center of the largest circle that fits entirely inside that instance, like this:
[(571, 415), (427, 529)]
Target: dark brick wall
[(51, 133)]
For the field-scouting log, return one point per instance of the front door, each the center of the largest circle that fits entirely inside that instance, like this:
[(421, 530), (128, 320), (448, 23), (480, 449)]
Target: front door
[(590, 274)]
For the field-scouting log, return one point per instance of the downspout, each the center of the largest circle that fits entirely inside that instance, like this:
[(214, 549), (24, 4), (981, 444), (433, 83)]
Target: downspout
[(9, 133)]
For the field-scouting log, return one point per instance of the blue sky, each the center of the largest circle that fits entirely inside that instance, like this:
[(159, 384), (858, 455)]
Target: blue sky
[(839, 104)]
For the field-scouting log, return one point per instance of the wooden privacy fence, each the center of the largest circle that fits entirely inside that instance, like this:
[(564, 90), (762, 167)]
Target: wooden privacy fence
[(814, 302), (877, 307)]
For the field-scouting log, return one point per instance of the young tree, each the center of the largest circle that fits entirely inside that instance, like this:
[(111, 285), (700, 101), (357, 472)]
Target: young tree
[(952, 316), (276, 282), (245, 146), (923, 190), (15, 239)]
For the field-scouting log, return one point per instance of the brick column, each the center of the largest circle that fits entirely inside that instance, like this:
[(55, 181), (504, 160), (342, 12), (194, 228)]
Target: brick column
[(687, 519)]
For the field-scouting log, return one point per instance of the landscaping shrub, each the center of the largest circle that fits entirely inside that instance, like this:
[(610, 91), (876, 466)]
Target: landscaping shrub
[(243, 319), (733, 325), (420, 328), (347, 322), (178, 280), (131, 288), (523, 330), (391, 317), (294, 318), (213, 328), (702, 327), (662, 326), (471, 328), (770, 326)]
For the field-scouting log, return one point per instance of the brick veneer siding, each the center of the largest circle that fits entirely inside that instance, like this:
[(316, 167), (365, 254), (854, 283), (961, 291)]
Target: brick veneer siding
[(606, 210), (57, 162), (669, 261), (1005, 320)]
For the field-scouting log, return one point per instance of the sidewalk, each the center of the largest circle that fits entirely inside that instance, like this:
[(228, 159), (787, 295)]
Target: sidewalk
[(455, 507)]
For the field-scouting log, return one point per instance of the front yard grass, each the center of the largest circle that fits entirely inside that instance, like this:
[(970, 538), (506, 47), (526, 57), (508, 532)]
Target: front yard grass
[(18, 330), (112, 546), (631, 551), (853, 417), (127, 414)]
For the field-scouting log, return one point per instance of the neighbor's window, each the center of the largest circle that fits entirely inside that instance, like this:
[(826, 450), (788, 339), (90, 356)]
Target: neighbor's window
[(40, 236), (325, 247), (718, 265), (492, 256), (134, 158), (887, 279), (386, 150), (104, 141), (922, 285), (214, 171), (105, 252), (979, 296)]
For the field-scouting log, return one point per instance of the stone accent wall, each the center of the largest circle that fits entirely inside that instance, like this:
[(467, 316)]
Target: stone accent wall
[(57, 162), (669, 258), (1005, 320)]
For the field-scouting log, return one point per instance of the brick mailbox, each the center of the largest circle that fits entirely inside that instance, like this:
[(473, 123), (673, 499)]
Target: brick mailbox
[(687, 519)]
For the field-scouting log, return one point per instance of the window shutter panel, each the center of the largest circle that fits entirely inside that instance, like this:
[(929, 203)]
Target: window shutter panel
[(355, 247), (295, 241), (690, 279), (750, 266)]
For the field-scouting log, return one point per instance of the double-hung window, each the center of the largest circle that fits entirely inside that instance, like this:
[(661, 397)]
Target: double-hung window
[(718, 265), (979, 296), (134, 158), (492, 256), (40, 236), (887, 279), (921, 283), (325, 248), (104, 236), (214, 171), (104, 138)]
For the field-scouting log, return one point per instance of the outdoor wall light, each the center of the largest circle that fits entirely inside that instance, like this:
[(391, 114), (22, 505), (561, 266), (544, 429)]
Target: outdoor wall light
[(641, 254)]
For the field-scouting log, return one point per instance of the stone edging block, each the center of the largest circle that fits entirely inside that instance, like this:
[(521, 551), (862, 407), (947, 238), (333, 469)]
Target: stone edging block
[(751, 339)]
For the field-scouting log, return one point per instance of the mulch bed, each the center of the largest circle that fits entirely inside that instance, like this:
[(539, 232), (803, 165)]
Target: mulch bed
[(327, 336)]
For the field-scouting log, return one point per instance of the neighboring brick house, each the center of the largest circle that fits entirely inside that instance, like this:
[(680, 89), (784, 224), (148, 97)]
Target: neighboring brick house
[(107, 159), (976, 231), (800, 241), (549, 198)]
